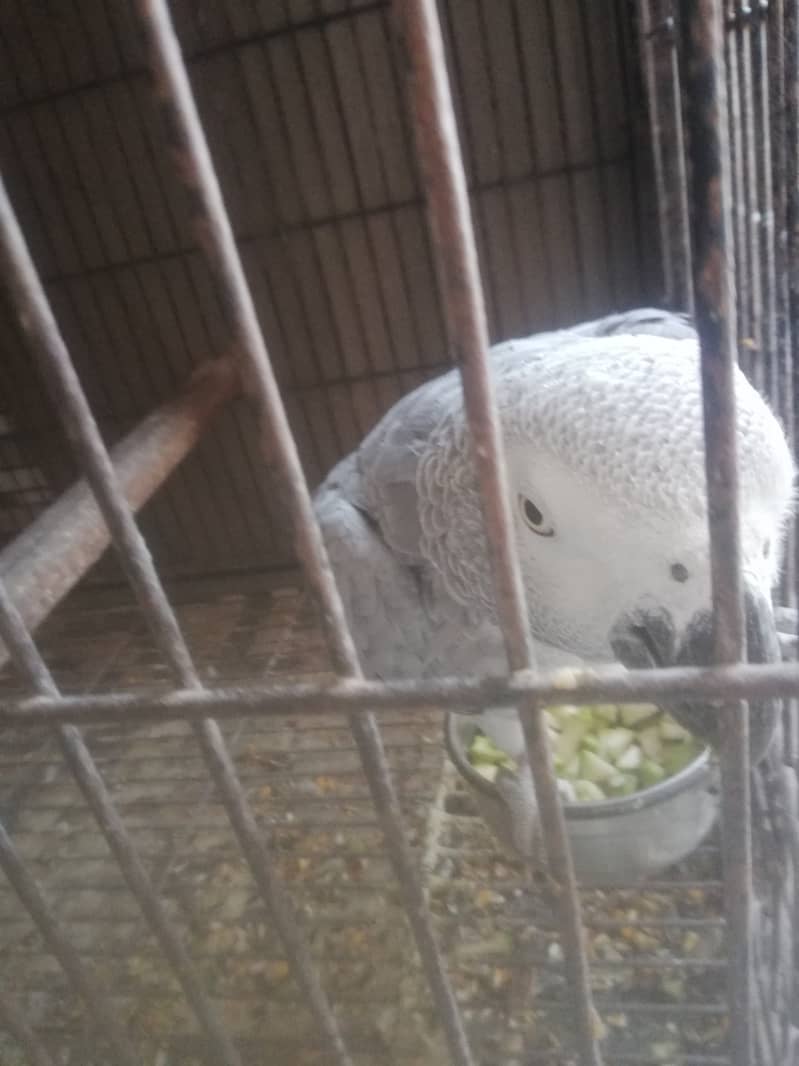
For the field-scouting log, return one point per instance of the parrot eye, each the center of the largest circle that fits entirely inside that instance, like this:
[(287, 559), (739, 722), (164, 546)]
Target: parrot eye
[(534, 518)]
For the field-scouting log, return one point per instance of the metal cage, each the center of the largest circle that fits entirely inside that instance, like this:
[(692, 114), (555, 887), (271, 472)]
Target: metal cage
[(735, 64)]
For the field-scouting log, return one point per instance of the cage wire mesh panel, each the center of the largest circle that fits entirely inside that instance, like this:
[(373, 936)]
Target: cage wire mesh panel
[(147, 881)]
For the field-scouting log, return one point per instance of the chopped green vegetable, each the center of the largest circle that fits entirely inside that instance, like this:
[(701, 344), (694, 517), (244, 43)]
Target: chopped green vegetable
[(650, 773), (677, 757), (484, 750), (588, 792), (594, 768), (614, 742), (630, 759), (568, 744), (651, 742), (608, 712), (601, 751), (622, 784), (671, 730), (635, 714)]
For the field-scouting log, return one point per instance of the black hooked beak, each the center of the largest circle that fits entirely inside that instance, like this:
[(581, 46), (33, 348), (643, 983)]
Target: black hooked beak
[(645, 639)]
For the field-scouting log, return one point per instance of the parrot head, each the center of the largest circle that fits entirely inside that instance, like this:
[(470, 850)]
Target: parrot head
[(606, 471), (612, 525)]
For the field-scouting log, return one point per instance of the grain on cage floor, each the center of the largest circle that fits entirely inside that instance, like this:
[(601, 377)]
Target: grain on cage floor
[(303, 779)]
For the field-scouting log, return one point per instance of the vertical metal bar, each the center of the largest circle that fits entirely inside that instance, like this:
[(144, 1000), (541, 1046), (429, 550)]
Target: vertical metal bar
[(752, 291), (736, 143), (715, 310), (790, 40), (37, 321), (686, 267), (763, 132), (214, 232), (33, 669), (783, 31), (663, 83), (14, 1022), (445, 183), (647, 38), (778, 32), (560, 82), (602, 172)]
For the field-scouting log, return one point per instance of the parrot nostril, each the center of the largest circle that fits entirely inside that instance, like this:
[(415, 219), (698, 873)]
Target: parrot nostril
[(643, 638), (679, 572)]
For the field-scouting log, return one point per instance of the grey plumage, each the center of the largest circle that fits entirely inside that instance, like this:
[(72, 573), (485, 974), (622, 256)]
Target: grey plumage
[(602, 423)]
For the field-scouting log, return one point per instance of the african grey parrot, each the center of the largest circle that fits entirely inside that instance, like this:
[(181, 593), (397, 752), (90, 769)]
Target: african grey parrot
[(602, 426)]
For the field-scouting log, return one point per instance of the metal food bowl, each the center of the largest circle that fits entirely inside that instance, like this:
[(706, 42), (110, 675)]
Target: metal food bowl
[(612, 841)]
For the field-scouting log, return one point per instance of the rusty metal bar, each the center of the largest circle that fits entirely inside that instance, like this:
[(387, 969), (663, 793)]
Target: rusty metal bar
[(648, 32), (661, 64), (765, 135), (735, 140), (685, 266), (14, 1022), (45, 562), (781, 36), (463, 694), (39, 325), (702, 25), (752, 287), (77, 756), (445, 184), (194, 164)]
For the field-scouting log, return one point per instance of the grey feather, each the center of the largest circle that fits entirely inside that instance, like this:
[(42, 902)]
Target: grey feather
[(369, 508)]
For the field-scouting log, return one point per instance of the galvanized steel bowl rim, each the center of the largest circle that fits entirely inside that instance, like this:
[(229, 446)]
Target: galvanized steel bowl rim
[(695, 773)]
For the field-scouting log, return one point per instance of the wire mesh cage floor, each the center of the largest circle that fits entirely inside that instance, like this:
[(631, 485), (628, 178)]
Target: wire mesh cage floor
[(658, 950)]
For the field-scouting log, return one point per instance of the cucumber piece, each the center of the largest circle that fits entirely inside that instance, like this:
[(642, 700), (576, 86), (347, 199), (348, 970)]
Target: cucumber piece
[(593, 768), (614, 742), (571, 771), (607, 713), (483, 749), (671, 730), (651, 743), (650, 773), (570, 739), (621, 785), (677, 756), (588, 792), (634, 714), (630, 759)]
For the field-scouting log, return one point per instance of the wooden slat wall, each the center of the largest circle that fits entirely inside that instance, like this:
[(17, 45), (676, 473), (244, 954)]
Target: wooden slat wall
[(305, 113)]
